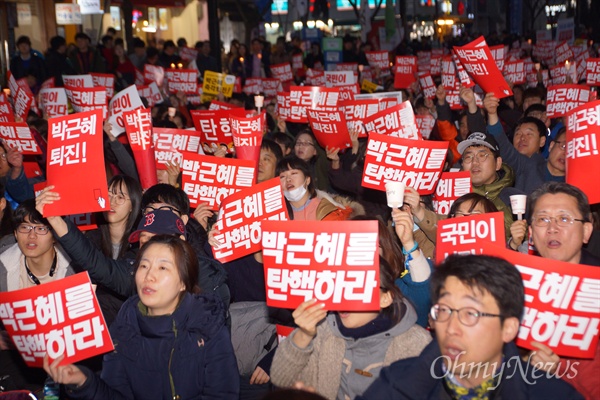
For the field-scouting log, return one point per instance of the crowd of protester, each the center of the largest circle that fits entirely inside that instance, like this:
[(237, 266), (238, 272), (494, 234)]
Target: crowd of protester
[(208, 332)]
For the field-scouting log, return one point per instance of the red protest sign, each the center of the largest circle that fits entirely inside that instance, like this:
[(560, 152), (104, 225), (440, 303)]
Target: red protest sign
[(463, 235), (397, 121), (75, 149), (463, 76), (514, 72), (559, 74), (283, 72), (356, 111), (138, 125), (425, 124), (151, 93), (6, 112), (87, 99), (583, 156), (453, 98), (240, 216), (405, 71), (561, 99), (379, 59), (182, 80), (154, 73), (22, 103), (215, 128), (270, 87), (78, 81), (209, 179), (336, 263), (449, 78), (220, 105), (106, 81), (84, 222), (247, 135), (188, 54), (450, 187), (347, 92), (479, 63), (18, 134), (563, 52), (126, 100), (54, 102), (435, 64), (170, 143), (561, 306), (314, 97), (339, 78), (417, 163), (428, 86), (60, 317), (315, 77), (592, 71), (48, 83), (423, 61), (330, 128), (283, 332), (499, 55), (139, 78), (346, 67)]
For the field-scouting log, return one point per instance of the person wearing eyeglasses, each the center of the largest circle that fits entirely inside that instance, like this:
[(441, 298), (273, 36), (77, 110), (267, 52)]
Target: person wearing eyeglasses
[(478, 303), (307, 149)]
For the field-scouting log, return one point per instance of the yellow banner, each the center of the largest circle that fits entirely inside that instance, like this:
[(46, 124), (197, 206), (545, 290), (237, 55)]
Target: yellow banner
[(214, 83), (368, 86)]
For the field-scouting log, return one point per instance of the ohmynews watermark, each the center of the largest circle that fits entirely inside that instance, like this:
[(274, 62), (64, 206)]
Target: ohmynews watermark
[(505, 369)]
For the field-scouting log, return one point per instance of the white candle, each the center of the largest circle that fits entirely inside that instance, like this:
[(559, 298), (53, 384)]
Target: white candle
[(259, 101)]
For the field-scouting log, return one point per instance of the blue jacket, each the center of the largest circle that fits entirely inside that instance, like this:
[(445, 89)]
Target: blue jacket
[(185, 355), (422, 378)]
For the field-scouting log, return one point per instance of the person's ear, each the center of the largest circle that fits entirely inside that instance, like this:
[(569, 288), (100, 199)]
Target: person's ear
[(185, 218), (498, 163), (307, 181), (542, 141), (2, 204), (385, 299), (510, 328), (588, 228), (551, 146)]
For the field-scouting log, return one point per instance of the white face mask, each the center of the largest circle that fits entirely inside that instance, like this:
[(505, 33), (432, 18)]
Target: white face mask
[(295, 194)]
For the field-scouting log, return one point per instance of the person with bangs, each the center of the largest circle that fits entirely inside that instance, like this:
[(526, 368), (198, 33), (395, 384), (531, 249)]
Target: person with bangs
[(339, 354), (308, 149)]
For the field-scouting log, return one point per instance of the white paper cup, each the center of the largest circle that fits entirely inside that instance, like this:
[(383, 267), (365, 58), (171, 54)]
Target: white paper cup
[(259, 101), (518, 203), (394, 192)]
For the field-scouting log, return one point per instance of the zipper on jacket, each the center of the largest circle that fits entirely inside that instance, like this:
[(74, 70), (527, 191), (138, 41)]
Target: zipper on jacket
[(174, 395)]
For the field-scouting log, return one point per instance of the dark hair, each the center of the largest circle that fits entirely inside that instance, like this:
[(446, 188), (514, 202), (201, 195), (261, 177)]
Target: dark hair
[(183, 255), (137, 42), (312, 138), (24, 39), (556, 188), (168, 43), (562, 131), (293, 162), (181, 42), (56, 42), (82, 35), (151, 52), (27, 210), (537, 107), (284, 139), (165, 193), (388, 245), (106, 38), (112, 30), (119, 42), (541, 127), (475, 199), (273, 147), (489, 274), (134, 189), (533, 92), (387, 283), (6, 223)]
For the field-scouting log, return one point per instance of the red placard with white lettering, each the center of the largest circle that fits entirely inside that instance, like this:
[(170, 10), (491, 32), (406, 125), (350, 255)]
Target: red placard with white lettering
[(314, 97), (423, 61), (356, 111), (449, 78), (282, 107), (450, 187), (75, 149), (592, 71), (139, 78), (154, 73), (210, 179), (336, 263), (435, 64), (346, 67), (240, 216), (138, 125), (6, 112), (220, 105), (347, 92), (405, 71), (170, 143), (340, 78), (463, 235), (126, 100), (106, 81), (559, 74), (499, 55), (330, 128), (283, 332), (78, 81), (425, 124), (182, 80), (53, 102), (18, 134), (398, 121), (315, 77), (188, 54), (479, 63), (247, 135), (283, 72), (60, 317), (151, 93), (583, 156), (22, 103), (417, 163), (463, 76), (427, 86), (87, 99), (561, 99), (514, 72), (379, 59), (270, 87), (561, 303), (215, 128), (563, 53), (48, 83)]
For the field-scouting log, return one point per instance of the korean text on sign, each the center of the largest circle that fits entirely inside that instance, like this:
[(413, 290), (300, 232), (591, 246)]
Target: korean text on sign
[(563, 98), (208, 179), (450, 187), (18, 135), (61, 317), (240, 217), (314, 97), (334, 262), (417, 163), (170, 143), (398, 121)]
